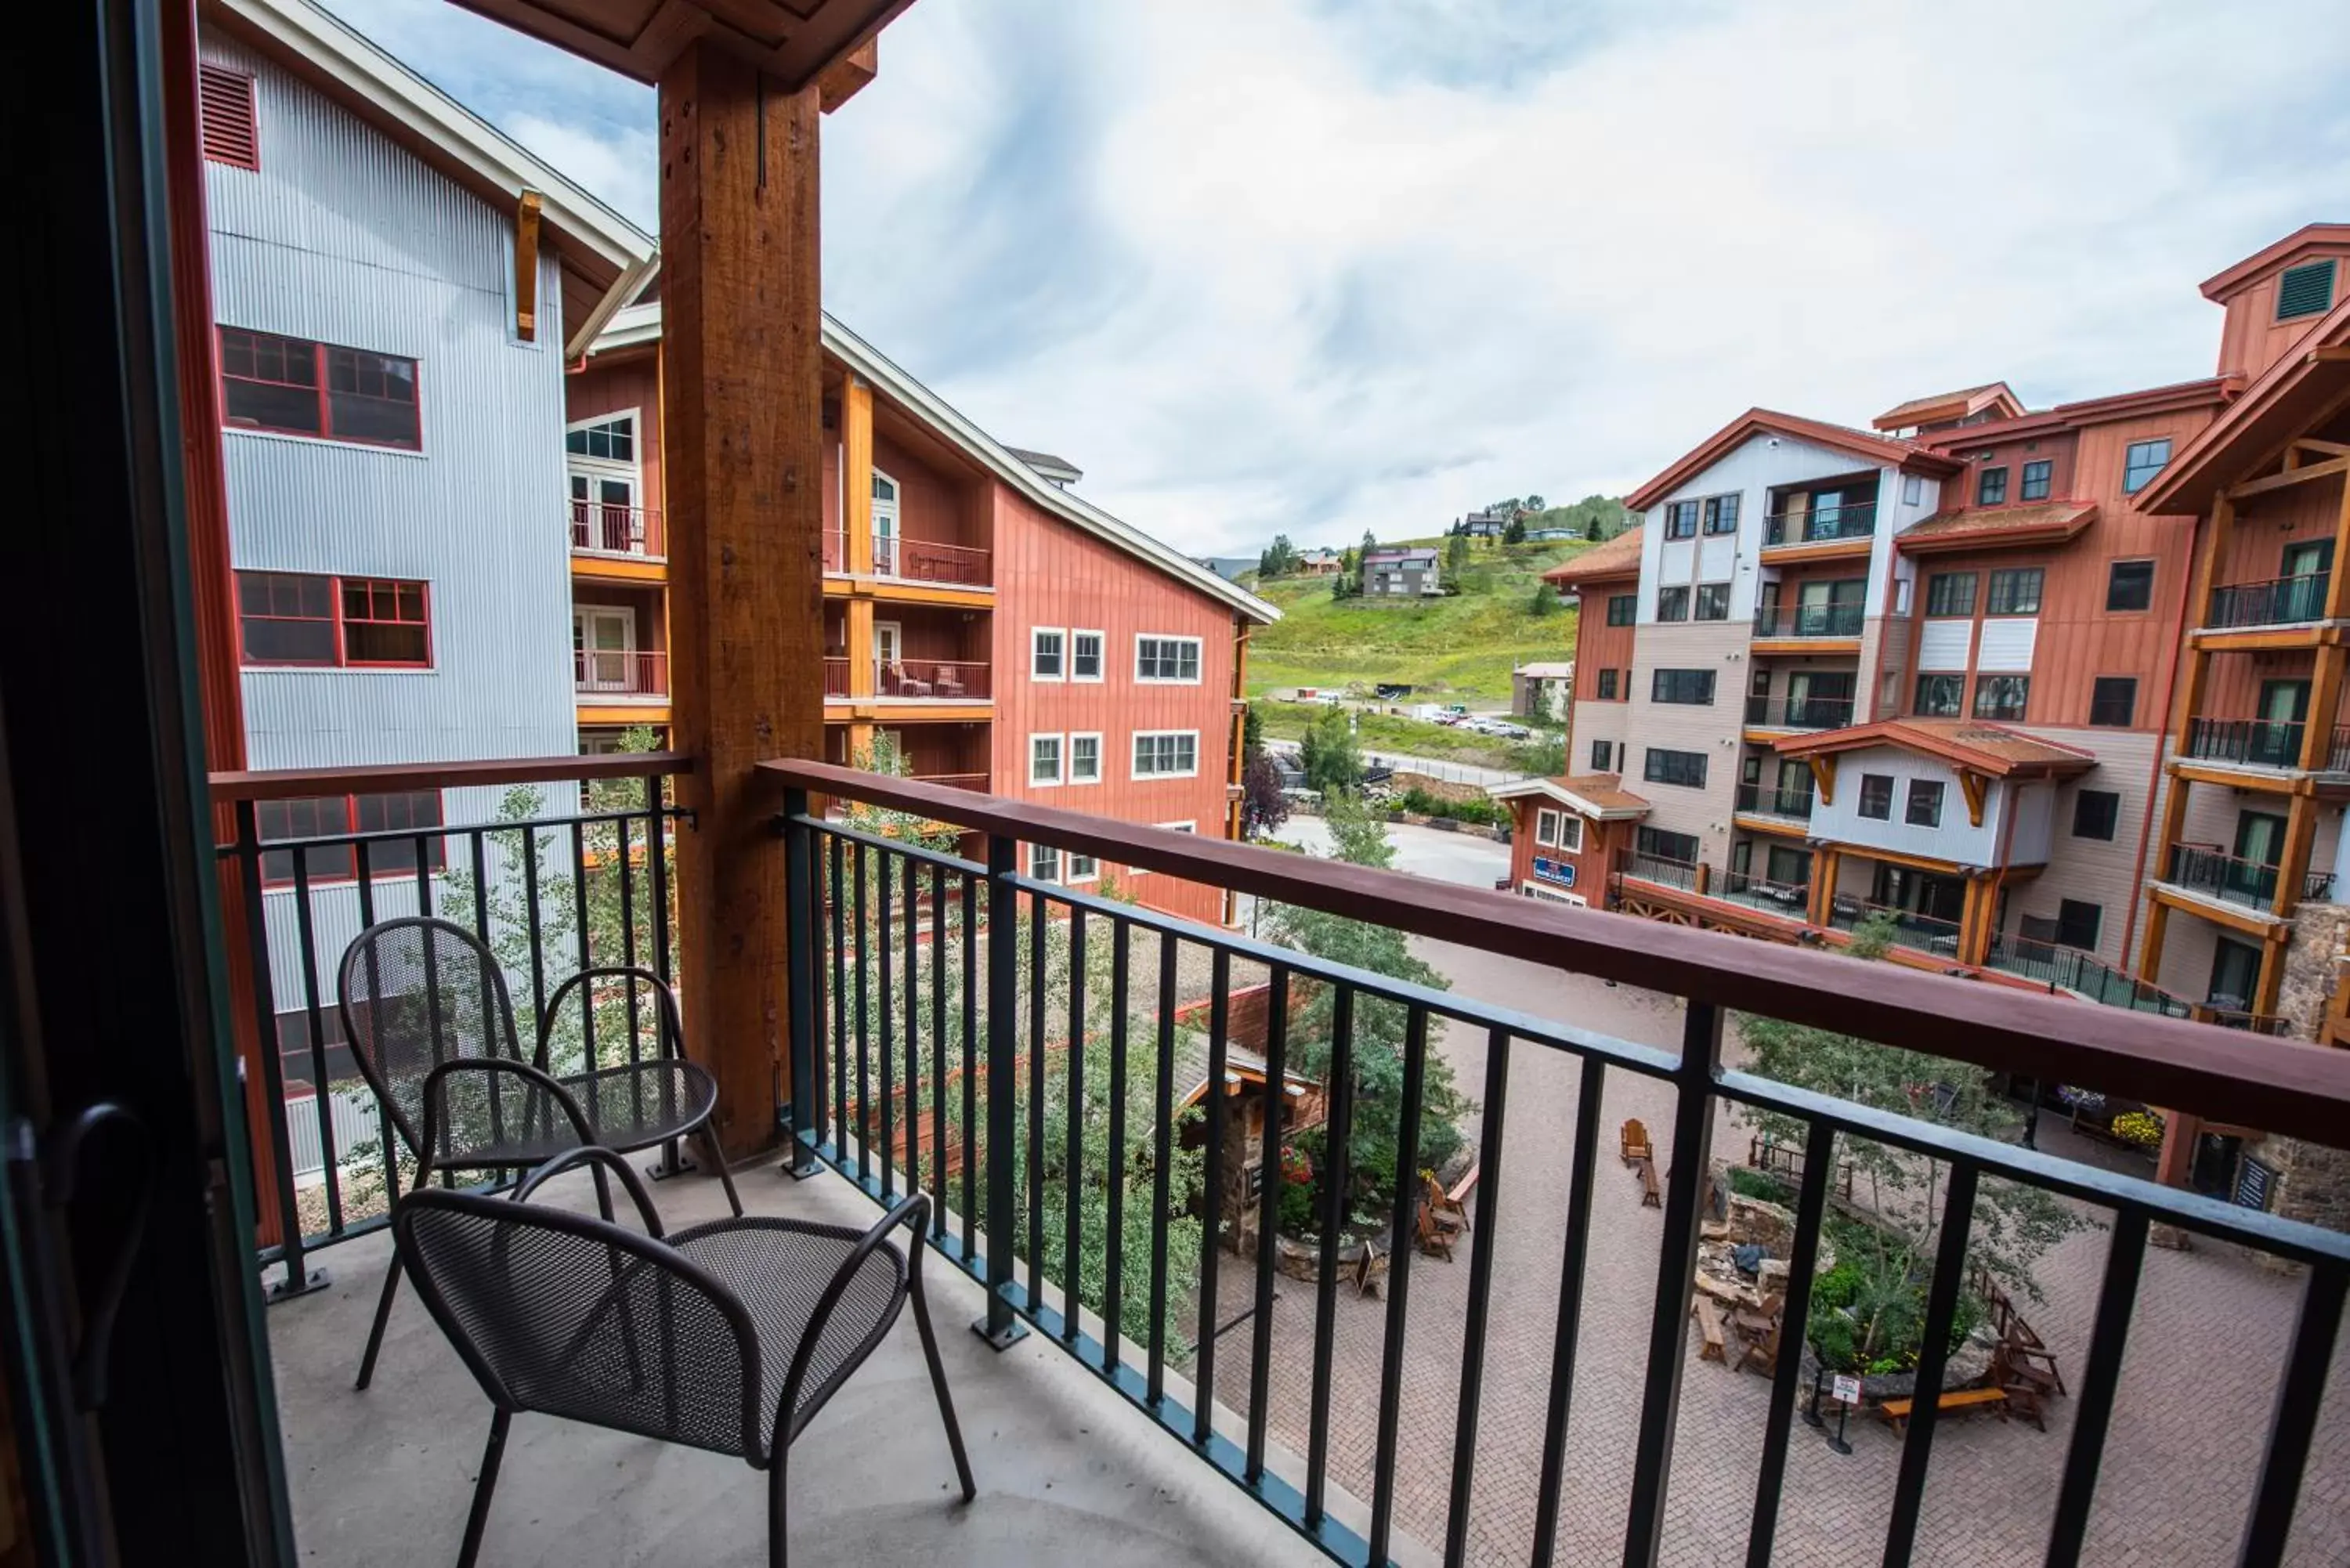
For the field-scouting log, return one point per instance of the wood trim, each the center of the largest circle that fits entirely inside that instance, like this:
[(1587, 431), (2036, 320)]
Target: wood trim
[(2332, 354), (613, 569), (890, 590), (654, 713), (1895, 858), (2338, 584), (2251, 923), (2296, 1089), (2264, 996), (1823, 772), (857, 478), (2324, 702), (232, 785), (2290, 476), (1775, 826), (2252, 779), (2292, 865), (2324, 447), (1972, 784), (526, 212), (1808, 647), (1818, 550), (2266, 641)]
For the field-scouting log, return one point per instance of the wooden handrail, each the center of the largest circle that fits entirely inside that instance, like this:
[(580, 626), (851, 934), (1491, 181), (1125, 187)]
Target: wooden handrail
[(387, 778), (2292, 1087)]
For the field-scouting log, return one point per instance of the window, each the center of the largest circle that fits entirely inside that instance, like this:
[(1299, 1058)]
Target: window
[(1603, 756), (1558, 830), (1623, 608), (1949, 595), (2077, 924), (1713, 601), (1607, 686), (1991, 486), (2015, 591), (1721, 514), (2113, 701), (1176, 827), (2141, 461), (1876, 797), (1047, 651), (1083, 867), (1084, 656), (305, 618), (1694, 686), (1084, 759), (1941, 696), (1680, 520), (2001, 696), (1664, 846), (328, 816), (1925, 807), (1672, 604), (1044, 759), (1166, 753), (1173, 659), (231, 134), (611, 441), (295, 387), (2038, 478), (1913, 490), (1045, 862), (2130, 585), (2305, 290), (2096, 813), (1686, 769)]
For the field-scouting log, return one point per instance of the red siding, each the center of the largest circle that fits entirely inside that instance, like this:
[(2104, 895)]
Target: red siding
[(612, 388), (2253, 338), (1598, 646)]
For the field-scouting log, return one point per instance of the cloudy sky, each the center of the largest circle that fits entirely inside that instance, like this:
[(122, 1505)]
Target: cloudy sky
[(1321, 266)]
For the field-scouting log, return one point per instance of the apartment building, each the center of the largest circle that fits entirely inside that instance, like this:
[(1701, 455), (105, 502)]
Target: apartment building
[(395, 289), (1003, 633), (1407, 573)]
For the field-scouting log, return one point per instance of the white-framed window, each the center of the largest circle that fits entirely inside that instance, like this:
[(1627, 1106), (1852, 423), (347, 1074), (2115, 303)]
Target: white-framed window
[(1044, 758), (1166, 753), (1167, 660), (1043, 863), (1913, 490), (1048, 653), (885, 524), (1558, 830), (1085, 758), (1086, 649), (1083, 869)]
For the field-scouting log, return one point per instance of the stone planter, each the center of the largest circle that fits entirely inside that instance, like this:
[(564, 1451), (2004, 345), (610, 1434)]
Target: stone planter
[(1968, 1365), (1302, 1260)]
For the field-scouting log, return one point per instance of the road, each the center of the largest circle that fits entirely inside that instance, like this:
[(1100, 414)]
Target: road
[(1442, 768), (1470, 859)]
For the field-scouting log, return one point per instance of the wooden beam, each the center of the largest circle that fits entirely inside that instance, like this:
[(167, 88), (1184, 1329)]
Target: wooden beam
[(2338, 584), (1823, 774), (2325, 700), (850, 75), (1972, 784), (2324, 447), (2292, 866), (857, 477), (2272, 981), (2290, 476), (743, 369), (526, 266), (1824, 866), (2149, 956), (2333, 355)]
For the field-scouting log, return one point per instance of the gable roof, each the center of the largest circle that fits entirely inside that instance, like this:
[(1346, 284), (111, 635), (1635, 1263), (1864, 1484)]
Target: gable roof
[(2220, 284), (608, 253), (1984, 748), (2302, 388), (1616, 558), (1601, 796), (1977, 528), (1866, 445), (2113, 406), (1949, 406)]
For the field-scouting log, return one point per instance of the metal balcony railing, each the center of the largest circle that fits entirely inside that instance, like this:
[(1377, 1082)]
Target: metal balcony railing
[(2215, 875), (931, 679), (611, 672), (1766, 801), (1808, 620), (2083, 973), (1853, 521), (1799, 713), (835, 677), (1923, 933), (1658, 868), (1787, 898), (602, 530), (2280, 601), (916, 560), (2263, 744)]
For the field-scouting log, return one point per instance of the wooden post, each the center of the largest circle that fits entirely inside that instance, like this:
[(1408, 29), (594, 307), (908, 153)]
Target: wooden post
[(2272, 981), (1824, 866), (744, 443), (2338, 587), (2324, 699), (2149, 956), (2292, 866), (857, 540)]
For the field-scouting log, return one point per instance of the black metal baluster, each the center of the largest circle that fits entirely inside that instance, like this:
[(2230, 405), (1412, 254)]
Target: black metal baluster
[(1399, 1246), (2293, 1421), (375, 994), (420, 847), (299, 1277), (970, 1066), (1039, 929), (477, 840), (2093, 1410), (912, 966), (1074, 1142), (840, 1000), (1794, 1312), (1336, 1175), (1268, 1217), (532, 919), (629, 950), (863, 1066), (1113, 1176), (1691, 1151), (1212, 1220), (1481, 1295), (940, 1175), (1001, 1327), (314, 1018), (1933, 1354), (885, 1048), (579, 916), (1574, 1253), (1163, 1154), (803, 963), (656, 914)]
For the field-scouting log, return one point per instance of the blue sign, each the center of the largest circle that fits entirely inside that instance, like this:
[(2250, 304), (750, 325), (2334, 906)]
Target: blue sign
[(1559, 871)]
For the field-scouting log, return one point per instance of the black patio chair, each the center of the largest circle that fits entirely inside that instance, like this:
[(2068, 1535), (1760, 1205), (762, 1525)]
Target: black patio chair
[(424, 1007), (728, 1337)]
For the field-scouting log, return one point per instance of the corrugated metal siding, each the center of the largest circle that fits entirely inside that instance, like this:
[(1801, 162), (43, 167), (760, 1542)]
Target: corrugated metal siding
[(346, 237)]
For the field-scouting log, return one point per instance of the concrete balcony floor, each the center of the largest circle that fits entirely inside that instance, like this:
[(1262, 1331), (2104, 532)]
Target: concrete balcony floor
[(1068, 1472)]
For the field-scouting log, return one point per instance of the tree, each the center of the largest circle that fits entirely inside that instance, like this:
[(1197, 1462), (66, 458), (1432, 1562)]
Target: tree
[(1263, 805), (1456, 553), (1591, 530), (1252, 732), (1278, 559), (1545, 600), (1544, 756), (1534, 503), (1515, 534), (1333, 757)]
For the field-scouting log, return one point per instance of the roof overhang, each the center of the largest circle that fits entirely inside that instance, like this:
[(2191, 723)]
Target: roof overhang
[(1560, 791), (793, 42), (2307, 386), (1873, 450), (2049, 760), (2170, 399), (2000, 528), (2333, 237), (1950, 406)]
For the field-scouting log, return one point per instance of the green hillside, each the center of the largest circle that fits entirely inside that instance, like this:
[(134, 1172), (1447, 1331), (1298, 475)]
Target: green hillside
[(1460, 646)]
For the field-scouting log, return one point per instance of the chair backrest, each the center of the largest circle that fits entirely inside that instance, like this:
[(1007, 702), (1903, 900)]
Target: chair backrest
[(414, 992), (1636, 1133), (575, 1316)]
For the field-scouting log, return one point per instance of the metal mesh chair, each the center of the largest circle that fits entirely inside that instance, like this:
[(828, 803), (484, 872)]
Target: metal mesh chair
[(728, 1337), (425, 1010)]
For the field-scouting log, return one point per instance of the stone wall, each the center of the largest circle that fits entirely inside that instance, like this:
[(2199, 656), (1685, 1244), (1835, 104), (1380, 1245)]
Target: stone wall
[(2319, 934), (2312, 1182)]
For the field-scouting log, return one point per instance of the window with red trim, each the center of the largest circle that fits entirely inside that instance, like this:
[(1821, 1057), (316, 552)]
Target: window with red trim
[(298, 387), (307, 618), (336, 815)]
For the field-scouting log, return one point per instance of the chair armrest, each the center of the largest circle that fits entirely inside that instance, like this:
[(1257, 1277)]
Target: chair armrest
[(536, 1077), (913, 1211), (673, 1021), (595, 1154)]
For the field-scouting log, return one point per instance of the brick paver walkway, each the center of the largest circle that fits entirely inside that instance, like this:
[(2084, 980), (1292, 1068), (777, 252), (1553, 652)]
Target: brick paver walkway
[(2206, 1348)]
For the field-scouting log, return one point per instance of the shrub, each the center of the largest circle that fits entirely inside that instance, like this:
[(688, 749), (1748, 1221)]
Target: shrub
[(1749, 1183)]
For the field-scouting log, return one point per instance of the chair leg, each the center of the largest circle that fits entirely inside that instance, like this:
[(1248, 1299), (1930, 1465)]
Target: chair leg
[(717, 1158), (382, 1317), (938, 1373), (778, 1543), (476, 1520)]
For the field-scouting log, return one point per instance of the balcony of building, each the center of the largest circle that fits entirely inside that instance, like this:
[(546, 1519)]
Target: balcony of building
[(1786, 804), (1767, 715), (955, 754), (2270, 753), (931, 662), (1803, 619), (619, 654), (2208, 873), (909, 515), (615, 542), (1821, 520)]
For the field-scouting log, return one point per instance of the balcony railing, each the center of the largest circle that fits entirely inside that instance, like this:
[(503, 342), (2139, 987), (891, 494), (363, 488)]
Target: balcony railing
[(606, 530), (1788, 898), (930, 679), (977, 781), (2083, 973), (609, 672), (1798, 712), (916, 560), (1808, 620), (836, 678), (2263, 744), (1658, 868), (1922, 933), (1764, 800), (1853, 521), (2251, 883), (2280, 601)]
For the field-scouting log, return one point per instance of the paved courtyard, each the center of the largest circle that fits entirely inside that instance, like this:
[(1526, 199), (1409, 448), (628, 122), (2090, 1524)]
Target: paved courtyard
[(2206, 1346)]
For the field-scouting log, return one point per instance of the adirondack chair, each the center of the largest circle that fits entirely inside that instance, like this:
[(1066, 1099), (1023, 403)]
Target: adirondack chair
[(1635, 1142), (1758, 1335), (1437, 1227)]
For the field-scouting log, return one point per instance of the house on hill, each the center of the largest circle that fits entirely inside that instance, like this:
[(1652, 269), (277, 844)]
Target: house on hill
[(1318, 564), (1400, 574)]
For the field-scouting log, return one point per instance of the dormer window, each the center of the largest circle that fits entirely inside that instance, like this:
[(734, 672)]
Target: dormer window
[(1990, 487), (2305, 290)]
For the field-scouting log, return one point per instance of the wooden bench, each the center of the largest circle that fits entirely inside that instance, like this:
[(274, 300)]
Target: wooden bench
[(1635, 1142), (1464, 1189), (1651, 1195), (1710, 1328), (1897, 1411)]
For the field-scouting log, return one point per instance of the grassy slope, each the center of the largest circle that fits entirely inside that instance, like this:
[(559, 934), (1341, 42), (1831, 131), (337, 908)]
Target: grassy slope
[(1395, 734), (1460, 646)]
